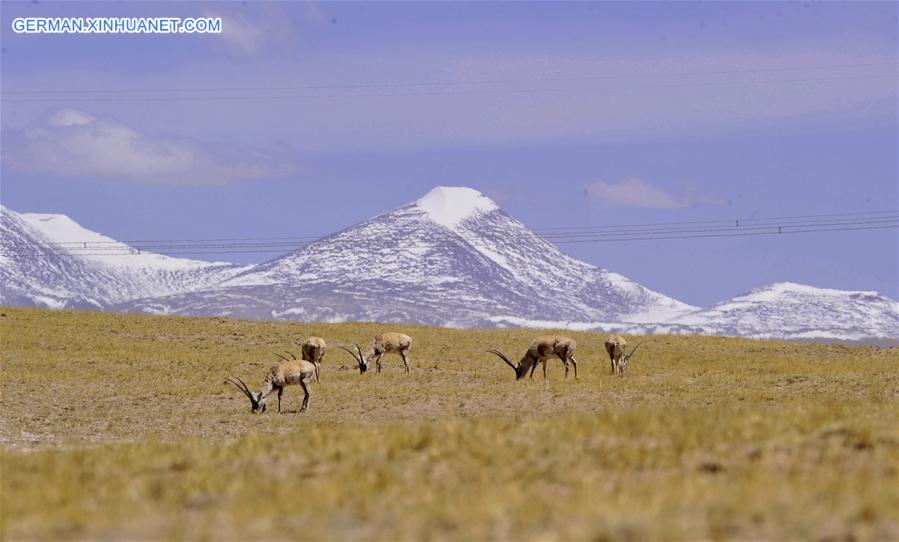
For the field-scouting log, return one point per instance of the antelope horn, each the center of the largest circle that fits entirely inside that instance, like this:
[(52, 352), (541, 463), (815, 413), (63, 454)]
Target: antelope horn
[(244, 384), (359, 349), (504, 358), (291, 355), (282, 357), (242, 388), (253, 400), (628, 357), (358, 360)]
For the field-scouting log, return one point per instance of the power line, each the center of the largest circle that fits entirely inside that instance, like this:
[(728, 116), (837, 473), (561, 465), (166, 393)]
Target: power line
[(732, 227), (558, 233), (145, 241), (726, 220), (423, 94), (452, 83), (768, 230), (122, 248), (783, 232), (561, 239)]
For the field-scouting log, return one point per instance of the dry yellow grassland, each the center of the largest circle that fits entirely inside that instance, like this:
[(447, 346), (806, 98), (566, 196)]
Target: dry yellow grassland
[(120, 427)]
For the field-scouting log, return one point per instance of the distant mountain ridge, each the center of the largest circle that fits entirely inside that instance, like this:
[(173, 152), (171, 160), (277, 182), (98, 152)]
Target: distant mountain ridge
[(450, 258), (801, 312), (782, 310), (38, 269)]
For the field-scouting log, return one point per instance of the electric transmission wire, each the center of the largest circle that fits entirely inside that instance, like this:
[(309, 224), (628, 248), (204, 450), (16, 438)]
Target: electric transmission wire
[(430, 84), (725, 220), (878, 223), (548, 232), (557, 238), (425, 94), (732, 227), (780, 231)]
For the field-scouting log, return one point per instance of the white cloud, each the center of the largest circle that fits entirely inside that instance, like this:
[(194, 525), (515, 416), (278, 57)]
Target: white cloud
[(269, 29), (239, 34), (637, 193), (535, 99), (74, 143), (70, 117)]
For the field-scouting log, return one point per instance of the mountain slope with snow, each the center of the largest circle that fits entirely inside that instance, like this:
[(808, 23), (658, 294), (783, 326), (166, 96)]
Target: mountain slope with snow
[(453, 257), (584, 290), (778, 311), (102, 250), (450, 258), (39, 266), (796, 311), (35, 273)]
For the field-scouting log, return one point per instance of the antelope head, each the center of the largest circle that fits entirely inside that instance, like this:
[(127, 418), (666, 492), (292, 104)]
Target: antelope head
[(254, 400), (361, 360), (520, 370), (627, 357)]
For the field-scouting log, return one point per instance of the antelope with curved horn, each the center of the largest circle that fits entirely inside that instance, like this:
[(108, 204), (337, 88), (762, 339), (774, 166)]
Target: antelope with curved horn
[(313, 349), (541, 349), (616, 346), (383, 343), (287, 373), (361, 363)]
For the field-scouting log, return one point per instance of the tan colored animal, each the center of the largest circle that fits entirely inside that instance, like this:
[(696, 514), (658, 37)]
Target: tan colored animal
[(313, 349), (384, 343), (287, 373), (541, 349), (616, 346)]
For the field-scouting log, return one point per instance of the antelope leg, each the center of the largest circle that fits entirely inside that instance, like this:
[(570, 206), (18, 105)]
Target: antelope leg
[(305, 395), (405, 361)]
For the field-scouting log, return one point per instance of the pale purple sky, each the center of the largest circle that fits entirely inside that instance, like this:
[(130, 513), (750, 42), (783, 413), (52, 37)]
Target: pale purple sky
[(316, 116)]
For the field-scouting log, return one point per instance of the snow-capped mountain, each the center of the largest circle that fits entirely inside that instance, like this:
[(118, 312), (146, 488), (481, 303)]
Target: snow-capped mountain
[(783, 310), (39, 267), (450, 258), (796, 311), (35, 273)]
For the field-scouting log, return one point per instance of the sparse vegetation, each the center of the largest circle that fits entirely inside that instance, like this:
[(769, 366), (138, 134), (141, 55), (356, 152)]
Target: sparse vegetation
[(120, 426)]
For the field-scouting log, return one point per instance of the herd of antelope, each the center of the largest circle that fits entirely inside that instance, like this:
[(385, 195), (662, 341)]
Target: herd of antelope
[(301, 372)]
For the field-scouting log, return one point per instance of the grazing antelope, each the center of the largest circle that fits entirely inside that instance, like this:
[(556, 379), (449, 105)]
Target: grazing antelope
[(313, 349), (361, 364), (384, 343), (615, 346), (286, 373), (541, 349)]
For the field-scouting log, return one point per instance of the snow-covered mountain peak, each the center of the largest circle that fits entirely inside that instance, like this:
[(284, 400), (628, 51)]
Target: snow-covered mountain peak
[(794, 294), (791, 292), (450, 205), (62, 229), (67, 235), (779, 288), (51, 260), (799, 311), (451, 258)]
